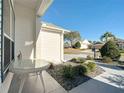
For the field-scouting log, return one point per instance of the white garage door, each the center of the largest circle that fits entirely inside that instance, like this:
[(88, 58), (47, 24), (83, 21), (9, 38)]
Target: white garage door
[(50, 46)]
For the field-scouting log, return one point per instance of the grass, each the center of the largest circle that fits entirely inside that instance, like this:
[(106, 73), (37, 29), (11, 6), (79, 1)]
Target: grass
[(122, 51), (122, 54), (72, 51), (90, 61)]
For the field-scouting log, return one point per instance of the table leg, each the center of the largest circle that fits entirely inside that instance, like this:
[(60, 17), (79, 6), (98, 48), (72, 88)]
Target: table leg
[(41, 78), (23, 78)]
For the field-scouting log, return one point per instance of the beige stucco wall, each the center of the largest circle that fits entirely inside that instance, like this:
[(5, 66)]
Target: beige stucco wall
[(50, 46), (24, 31)]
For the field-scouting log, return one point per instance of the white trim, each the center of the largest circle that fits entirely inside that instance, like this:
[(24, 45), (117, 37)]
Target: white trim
[(8, 37), (45, 26), (43, 7), (51, 30)]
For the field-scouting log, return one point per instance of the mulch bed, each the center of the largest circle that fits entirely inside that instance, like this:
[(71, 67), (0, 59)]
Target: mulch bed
[(69, 84)]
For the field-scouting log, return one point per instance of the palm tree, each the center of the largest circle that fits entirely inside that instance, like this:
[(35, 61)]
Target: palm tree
[(107, 36)]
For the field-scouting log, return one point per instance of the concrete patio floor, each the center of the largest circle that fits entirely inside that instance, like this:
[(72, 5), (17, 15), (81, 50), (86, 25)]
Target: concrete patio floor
[(111, 81), (32, 84)]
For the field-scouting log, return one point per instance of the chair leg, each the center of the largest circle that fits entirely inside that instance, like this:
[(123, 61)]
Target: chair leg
[(41, 78)]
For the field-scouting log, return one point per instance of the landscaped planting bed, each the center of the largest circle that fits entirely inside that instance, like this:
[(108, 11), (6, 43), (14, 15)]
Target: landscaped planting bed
[(69, 75)]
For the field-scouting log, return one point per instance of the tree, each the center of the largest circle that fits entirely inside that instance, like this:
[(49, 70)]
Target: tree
[(72, 37), (110, 49), (107, 36), (77, 45)]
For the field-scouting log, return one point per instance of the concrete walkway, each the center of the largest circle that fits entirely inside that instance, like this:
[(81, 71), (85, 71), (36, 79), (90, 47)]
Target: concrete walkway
[(111, 81)]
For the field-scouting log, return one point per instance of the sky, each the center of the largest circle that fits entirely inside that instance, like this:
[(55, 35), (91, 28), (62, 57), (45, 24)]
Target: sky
[(91, 18)]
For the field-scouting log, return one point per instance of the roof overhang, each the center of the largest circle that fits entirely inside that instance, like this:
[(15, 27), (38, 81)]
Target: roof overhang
[(54, 28), (44, 4), (40, 6)]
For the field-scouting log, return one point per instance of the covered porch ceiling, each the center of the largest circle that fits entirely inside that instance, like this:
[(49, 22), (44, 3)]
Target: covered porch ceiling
[(39, 5)]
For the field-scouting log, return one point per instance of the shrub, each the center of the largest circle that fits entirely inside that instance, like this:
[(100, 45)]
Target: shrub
[(73, 60), (89, 57), (80, 60), (77, 45), (81, 70), (106, 60), (68, 72), (110, 49), (91, 66)]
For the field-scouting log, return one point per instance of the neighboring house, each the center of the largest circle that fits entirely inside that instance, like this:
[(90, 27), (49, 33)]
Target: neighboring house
[(67, 45), (85, 44), (50, 43), (120, 43), (97, 46), (21, 31)]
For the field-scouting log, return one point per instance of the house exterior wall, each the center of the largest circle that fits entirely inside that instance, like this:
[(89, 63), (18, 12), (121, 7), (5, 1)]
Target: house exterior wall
[(23, 27), (121, 46), (84, 46), (0, 34), (50, 46), (25, 31)]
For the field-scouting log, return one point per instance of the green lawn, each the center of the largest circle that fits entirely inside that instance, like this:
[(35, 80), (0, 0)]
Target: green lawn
[(122, 51), (122, 54), (72, 51)]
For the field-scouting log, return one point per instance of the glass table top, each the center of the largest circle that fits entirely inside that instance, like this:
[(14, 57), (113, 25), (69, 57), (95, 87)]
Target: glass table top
[(28, 65)]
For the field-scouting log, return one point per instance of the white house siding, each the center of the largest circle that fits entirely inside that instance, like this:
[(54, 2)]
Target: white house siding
[(25, 31), (84, 44), (49, 46)]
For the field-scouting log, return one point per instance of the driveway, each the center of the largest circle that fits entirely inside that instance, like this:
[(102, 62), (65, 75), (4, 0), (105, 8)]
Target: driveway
[(70, 56)]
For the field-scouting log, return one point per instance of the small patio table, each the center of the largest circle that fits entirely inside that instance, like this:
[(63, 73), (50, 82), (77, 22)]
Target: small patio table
[(26, 66)]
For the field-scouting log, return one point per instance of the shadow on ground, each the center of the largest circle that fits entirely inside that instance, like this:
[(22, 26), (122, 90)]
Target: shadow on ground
[(117, 79), (95, 86), (33, 85), (109, 66)]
